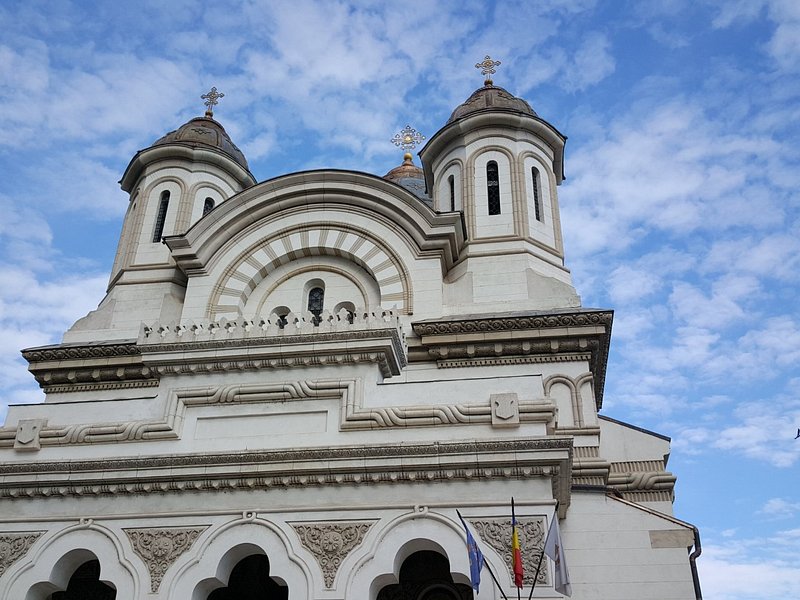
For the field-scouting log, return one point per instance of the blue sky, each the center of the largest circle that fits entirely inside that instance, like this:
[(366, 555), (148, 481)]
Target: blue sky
[(680, 208)]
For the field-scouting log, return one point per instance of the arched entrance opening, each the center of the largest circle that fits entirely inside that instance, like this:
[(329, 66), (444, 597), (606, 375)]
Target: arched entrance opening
[(250, 580), (85, 584), (425, 575)]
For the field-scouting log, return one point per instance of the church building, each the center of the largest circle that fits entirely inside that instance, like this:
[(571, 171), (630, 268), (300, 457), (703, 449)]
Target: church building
[(293, 388)]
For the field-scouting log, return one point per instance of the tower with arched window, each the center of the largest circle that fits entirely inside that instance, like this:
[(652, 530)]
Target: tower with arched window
[(500, 163)]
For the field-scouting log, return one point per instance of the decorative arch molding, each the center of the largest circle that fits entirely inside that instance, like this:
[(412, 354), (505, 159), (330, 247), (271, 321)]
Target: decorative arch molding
[(208, 565), (251, 267), (300, 195), (461, 190), (399, 538), (50, 567), (471, 199), (574, 386), (185, 216)]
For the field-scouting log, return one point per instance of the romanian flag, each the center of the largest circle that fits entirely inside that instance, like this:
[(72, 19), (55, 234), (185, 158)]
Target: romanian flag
[(516, 554)]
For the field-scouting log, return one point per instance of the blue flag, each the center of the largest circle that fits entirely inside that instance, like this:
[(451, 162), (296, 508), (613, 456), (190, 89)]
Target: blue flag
[(475, 557)]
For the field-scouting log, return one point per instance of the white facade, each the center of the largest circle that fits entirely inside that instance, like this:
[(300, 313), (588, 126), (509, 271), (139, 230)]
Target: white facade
[(321, 369)]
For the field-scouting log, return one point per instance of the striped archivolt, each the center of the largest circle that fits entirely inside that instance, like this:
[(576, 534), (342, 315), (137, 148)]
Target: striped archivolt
[(325, 239)]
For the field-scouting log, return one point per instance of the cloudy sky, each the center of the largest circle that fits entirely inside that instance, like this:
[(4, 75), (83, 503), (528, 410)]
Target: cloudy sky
[(680, 208)]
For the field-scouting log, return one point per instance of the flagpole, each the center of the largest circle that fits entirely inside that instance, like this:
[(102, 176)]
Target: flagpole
[(536, 577), (513, 525), (497, 583)]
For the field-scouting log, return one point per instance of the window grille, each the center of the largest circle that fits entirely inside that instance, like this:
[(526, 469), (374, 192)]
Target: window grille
[(493, 188)]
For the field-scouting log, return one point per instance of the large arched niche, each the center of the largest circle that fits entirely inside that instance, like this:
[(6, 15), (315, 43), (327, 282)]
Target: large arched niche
[(343, 281), (208, 566), (378, 268), (400, 539), (49, 568)]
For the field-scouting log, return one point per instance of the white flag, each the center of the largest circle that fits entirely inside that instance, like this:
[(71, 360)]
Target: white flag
[(554, 549)]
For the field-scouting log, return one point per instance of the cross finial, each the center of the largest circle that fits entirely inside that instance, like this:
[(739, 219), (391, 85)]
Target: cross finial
[(487, 68), (211, 100), (408, 138)]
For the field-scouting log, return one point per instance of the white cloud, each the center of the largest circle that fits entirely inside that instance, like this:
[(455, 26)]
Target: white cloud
[(591, 63), (727, 573), (780, 508)]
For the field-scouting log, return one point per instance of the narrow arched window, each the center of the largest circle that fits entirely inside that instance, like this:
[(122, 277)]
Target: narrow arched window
[(493, 188), (452, 181), (162, 216), (537, 197), (208, 206), (316, 300)]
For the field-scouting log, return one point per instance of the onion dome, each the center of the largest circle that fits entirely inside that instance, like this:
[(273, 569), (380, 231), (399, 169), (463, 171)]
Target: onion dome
[(491, 97), (410, 176), (204, 131)]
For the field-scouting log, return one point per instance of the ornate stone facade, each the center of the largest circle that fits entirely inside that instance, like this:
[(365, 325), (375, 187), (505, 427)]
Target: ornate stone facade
[(531, 532), (330, 543), (159, 548), (14, 546)]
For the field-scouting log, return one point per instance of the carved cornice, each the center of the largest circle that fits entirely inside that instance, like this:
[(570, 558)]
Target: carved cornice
[(552, 334), (14, 546), (160, 548), (531, 532), (331, 542), (352, 413), (194, 347), (353, 465)]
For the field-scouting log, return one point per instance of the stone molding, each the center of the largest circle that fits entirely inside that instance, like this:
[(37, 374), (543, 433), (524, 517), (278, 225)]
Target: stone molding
[(351, 465), (14, 546), (510, 360), (374, 336), (352, 414), (531, 531), (331, 542), (160, 548), (585, 332)]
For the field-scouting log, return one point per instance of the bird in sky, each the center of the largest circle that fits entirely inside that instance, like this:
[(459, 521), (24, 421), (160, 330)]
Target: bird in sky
[(798, 433)]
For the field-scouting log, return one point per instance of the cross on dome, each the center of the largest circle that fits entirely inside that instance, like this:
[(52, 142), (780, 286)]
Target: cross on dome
[(487, 67), (408, 138), (211, 100)]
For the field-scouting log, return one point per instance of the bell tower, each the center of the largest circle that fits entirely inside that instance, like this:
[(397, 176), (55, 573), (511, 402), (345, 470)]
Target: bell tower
[(172, 184), (499, 163)]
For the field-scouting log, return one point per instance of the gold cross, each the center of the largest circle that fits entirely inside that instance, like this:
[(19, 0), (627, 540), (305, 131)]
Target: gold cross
[(408, 138), (487, 68), (211, 100)]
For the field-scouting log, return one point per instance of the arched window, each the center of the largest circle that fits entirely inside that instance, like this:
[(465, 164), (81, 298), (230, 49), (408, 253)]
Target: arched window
[(250, 580), (162, 216), (208, 206), (316, 300), (452, 181), (537, 201), (85, 583), (282, 313), (425, 575), (349, 307), (493, 188)]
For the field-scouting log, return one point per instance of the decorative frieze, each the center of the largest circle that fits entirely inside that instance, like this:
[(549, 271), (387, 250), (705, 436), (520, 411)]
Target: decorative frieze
[(14, 546), (336, 466), (159, 548), (531, 532), (459, 341), (352, 413), (331, 542)]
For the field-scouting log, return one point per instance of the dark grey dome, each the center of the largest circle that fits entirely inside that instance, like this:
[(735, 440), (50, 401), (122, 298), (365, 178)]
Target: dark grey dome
[(204, 131), (411, 177), (491, 97)]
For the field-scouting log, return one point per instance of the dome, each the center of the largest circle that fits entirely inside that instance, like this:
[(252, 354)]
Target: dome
[(410, 176), (204, 131), (491, 97)]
